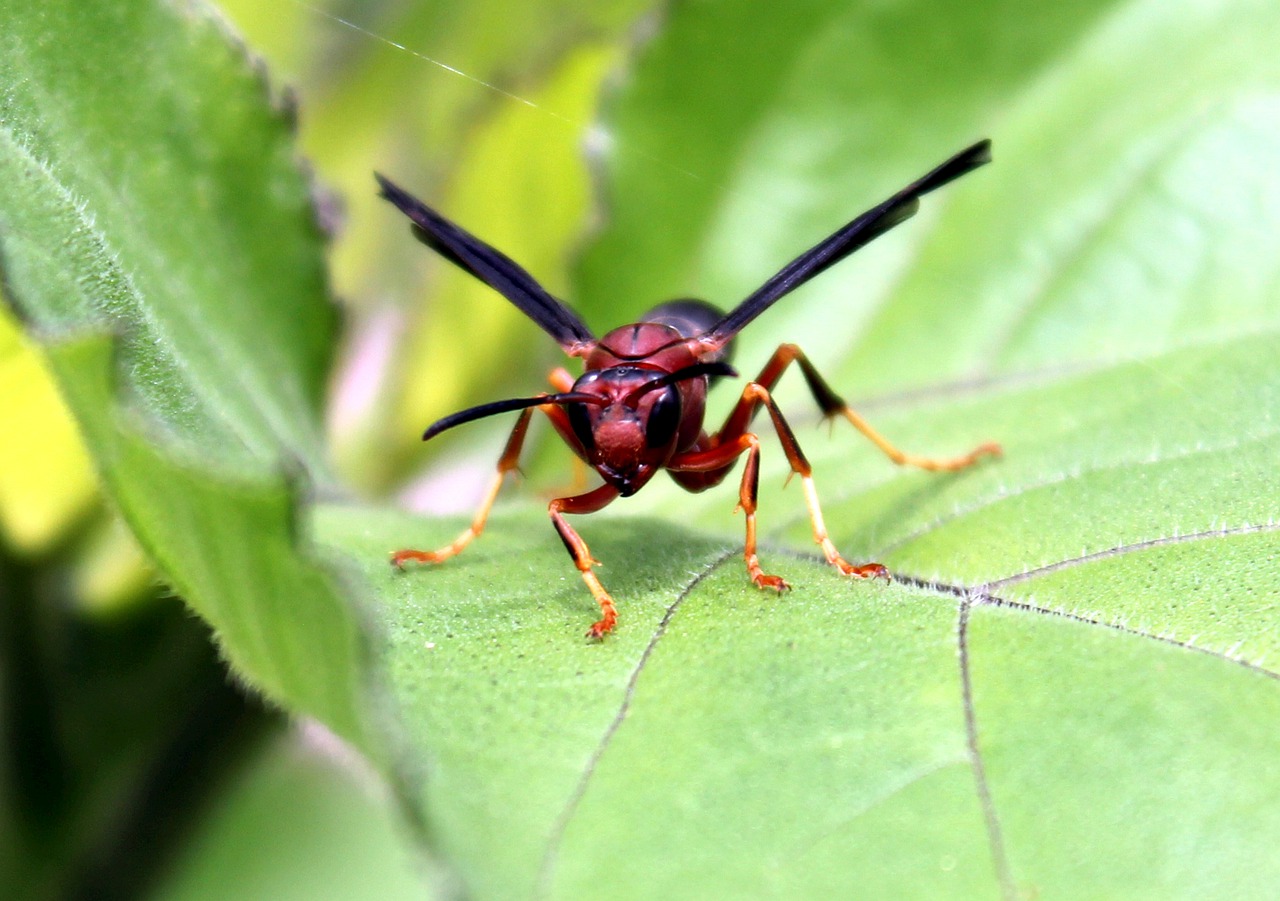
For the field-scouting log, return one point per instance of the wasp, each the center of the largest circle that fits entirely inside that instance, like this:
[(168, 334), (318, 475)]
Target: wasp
[(640, 403)]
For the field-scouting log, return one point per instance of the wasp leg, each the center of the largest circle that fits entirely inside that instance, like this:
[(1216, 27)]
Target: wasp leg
[(560, 379), (748, 495), (800, 466), (834, 405), (717, 461), (755, 396), (581, 554), (506, 463)]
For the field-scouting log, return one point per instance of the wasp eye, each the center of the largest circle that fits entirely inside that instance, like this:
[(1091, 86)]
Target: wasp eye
[(664, 417), (580, 420)]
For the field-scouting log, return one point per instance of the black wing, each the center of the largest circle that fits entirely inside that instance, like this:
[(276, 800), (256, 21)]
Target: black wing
[(492, 267), (862, 230)]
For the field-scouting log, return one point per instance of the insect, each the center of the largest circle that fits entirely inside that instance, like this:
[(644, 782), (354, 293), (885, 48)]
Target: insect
[(639, 405)]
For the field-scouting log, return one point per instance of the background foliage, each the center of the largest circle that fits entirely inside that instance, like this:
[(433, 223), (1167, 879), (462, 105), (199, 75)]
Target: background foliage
[(1064, 693)]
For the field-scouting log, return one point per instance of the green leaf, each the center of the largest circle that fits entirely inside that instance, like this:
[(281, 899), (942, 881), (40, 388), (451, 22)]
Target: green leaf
[(1099, 300), (46, 481), (117, 727), (1064, 691), (156, 233), (388, 92), (300, 824)]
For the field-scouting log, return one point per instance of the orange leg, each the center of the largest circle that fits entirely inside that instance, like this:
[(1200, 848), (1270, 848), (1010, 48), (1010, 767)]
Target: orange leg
[(833, 405), (560, 379), (721, 456), (748, 494), (506, 463), (800, 466), (717, 461), (581, 554)]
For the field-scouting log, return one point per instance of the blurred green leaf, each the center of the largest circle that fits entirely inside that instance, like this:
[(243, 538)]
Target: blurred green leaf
[(385, 89), (477, 107), (46, 480), (112, 570), (48, 487), (152, 196), (117, 729), (299, 823)]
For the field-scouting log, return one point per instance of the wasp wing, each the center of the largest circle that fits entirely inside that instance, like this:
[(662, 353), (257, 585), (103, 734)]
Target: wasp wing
[(492, 267), (859, 232)]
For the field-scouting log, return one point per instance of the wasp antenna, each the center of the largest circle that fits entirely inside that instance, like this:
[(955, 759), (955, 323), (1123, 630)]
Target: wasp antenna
[(506, 406), (965, 161), (492, 267), (856, 234), (709, 368)]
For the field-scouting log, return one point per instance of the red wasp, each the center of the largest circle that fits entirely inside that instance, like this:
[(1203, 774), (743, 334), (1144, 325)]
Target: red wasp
[(639, 405)]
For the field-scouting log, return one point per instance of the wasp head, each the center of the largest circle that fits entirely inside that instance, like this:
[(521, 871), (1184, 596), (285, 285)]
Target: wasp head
[(630, 432)]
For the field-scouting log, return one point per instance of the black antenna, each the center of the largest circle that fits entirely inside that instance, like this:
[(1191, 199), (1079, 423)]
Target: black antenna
[(505, 406)]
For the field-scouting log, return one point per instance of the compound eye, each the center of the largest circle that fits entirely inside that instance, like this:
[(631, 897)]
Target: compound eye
[(664, 419), (580, 420)]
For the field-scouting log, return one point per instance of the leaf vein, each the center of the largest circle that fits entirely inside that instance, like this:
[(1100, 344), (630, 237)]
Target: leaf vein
[(561, 824), (1223, 532), (995, 837)]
